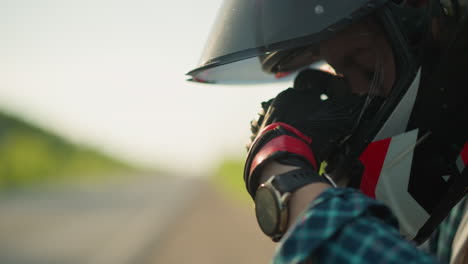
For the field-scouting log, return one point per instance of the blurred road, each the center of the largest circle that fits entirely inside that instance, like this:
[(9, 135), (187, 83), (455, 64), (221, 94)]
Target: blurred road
[(214, 229), (118, 223)]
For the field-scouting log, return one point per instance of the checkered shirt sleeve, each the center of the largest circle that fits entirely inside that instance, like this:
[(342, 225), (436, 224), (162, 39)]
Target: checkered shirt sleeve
[(345, 226)]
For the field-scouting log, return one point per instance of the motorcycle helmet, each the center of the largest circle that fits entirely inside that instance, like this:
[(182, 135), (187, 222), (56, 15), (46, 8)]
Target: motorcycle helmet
[(407, 137)]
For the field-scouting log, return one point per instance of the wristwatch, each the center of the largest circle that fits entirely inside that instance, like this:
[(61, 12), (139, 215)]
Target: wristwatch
[(271, 199)]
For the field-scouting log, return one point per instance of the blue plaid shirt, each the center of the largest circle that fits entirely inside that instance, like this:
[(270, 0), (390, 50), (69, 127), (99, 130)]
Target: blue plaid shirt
[(345, 226)]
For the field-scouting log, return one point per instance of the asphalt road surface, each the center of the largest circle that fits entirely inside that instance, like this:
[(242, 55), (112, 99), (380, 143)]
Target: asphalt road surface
[(118, 223)]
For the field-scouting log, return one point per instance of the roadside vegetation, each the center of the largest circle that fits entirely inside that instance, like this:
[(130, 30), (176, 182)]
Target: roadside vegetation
[(30, 155), (229, 176)]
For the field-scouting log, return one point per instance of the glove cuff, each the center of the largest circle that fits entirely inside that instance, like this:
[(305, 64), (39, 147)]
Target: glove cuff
[(281, 142)]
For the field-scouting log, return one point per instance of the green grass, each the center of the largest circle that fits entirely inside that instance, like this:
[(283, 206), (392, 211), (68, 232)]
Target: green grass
[(30, 155), (229, 176)]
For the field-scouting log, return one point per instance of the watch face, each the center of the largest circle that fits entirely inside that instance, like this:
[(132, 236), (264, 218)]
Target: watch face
[(267, 211)]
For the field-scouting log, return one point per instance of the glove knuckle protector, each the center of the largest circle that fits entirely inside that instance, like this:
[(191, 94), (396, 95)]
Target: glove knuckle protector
[(257, 124)]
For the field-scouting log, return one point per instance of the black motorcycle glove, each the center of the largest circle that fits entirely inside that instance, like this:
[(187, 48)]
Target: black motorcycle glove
[(301, 125)]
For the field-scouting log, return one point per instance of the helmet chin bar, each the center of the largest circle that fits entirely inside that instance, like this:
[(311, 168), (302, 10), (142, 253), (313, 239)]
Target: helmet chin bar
[(425, 130), (397, 147), (405, 76), (388, 119)]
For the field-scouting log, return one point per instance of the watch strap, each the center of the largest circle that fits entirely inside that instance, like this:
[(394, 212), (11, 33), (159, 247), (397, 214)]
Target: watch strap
[(295, 179)]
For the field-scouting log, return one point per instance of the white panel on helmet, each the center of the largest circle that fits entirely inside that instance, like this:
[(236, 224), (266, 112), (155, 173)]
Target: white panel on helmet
[(392, 187), (460, 236), (398, 120), (460, 164)]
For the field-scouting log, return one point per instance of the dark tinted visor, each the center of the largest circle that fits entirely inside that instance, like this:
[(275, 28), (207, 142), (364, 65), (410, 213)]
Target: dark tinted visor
[(251, 28)]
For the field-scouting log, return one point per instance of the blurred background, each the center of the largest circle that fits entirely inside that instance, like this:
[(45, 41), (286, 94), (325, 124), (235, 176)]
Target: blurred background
[(107, 153)]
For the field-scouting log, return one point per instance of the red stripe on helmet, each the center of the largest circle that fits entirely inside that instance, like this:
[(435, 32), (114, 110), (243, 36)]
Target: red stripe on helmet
[(284, 144), (373, 159), (280, 75), (464, 154)]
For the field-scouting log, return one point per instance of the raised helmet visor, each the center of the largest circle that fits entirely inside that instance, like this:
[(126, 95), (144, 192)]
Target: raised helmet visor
[(246, 29)]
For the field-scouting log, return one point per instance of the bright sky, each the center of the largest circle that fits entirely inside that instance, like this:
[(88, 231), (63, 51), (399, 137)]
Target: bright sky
[(110, 73)]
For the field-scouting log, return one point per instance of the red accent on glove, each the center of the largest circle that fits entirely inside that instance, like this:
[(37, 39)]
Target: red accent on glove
[(277, 140), (284, 143), (288, 128)]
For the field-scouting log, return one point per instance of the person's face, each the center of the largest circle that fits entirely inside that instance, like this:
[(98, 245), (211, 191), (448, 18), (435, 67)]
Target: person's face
[(363, 56)]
